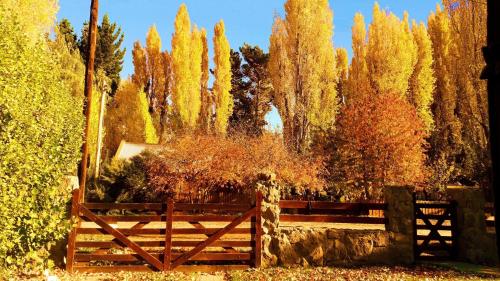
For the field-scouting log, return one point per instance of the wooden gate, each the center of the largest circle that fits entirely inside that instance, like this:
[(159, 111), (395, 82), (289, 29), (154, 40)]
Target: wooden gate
[(435, 230), (160, 237)]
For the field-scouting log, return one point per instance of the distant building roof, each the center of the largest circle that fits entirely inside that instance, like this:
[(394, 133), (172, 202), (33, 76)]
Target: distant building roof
[(127, 150)]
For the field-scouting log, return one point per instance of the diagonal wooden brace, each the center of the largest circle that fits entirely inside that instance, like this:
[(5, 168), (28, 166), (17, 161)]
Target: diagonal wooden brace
[(185, 257), (122, 238)]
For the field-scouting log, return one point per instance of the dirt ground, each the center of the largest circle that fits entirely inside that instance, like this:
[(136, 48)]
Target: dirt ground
[(417, 272)]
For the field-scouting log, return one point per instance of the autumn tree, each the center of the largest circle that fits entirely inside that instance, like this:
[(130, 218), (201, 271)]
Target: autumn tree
[(358, 83), (186, 91), (206, 110), (303, 72), (109, 53), (342, 61), (468, 25), (154, 68), (222, 83), (140, 76), (380, 140), (126, 118), (251, 90), (391, 52), (422, 81), (194, 98), (446, 138)]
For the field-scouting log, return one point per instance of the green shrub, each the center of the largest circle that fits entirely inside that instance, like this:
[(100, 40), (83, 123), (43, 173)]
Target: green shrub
[(40, 139)]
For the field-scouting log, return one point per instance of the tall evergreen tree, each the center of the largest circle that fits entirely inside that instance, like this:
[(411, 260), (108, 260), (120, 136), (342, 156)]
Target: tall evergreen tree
[(109, 53), (251, 90), (66, 31)]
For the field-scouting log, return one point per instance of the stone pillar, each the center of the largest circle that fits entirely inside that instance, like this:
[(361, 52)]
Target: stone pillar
[(266, 183), (474, 243), (400, 215)]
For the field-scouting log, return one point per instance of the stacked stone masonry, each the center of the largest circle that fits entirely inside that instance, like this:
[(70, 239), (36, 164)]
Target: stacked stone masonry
[(320, 246)]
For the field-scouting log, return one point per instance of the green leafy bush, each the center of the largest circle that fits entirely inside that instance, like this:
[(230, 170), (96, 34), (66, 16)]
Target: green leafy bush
[(40, 139)]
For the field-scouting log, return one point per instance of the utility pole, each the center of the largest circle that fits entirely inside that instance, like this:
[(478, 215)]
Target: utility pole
[(89, 77), (492, 73)]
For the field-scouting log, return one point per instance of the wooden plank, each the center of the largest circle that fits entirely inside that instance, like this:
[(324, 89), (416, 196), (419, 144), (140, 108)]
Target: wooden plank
[(204, 256), (433, 217), (167, 253), (212, 206), (332, 219), (70, 254), (159, 231), (114, 268), (430, 205), (442, 227), (124, 206), (423, 237), (300, 204), (193, 218), (138, 218), (258, 229), (120, 236), (185, 257), (152, 244)]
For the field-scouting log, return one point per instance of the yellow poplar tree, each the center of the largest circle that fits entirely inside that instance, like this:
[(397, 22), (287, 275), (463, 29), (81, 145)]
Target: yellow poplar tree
[(222, 83), (279, 67), (446, 139), (196, 72), (181, 66), (391, 54), (155, 67), (150, 135), (206, 99), (343, 67), (468, 23), (422, 82), (358, 83), (302, 68), (140, 76)]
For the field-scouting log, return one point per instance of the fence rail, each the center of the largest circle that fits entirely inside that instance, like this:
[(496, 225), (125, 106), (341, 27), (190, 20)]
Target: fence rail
[(320, 211), (164, 236)]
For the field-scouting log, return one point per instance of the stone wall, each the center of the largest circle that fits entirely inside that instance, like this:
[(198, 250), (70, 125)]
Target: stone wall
[(474, 243), (304, 246)]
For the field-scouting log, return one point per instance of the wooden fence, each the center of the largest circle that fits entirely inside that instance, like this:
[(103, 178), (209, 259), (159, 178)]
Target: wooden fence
[(161, 237), (435, 229), (320, 211)]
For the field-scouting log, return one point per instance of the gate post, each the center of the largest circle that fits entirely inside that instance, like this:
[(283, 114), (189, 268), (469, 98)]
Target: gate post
[(400, 219), (167, 253), (70, 254), (270, 216), (474, 243), (258, 229)]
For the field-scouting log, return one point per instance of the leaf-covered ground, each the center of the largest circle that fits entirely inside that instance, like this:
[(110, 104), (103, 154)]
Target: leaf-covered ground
[(419, 272)]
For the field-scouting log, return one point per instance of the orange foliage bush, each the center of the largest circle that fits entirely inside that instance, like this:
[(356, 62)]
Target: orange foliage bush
[(208, 163), (380, 140)]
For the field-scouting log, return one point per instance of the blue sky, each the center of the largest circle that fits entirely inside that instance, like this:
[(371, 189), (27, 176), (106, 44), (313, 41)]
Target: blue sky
[(247, 21)]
